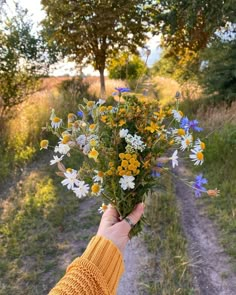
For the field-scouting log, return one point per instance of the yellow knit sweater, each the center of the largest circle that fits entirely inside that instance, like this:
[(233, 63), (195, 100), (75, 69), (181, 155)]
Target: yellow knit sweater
[(96, 272)]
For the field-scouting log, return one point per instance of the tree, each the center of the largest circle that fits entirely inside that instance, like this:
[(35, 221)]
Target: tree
[(188, 24), (219, 73), (20, 58), (126, 67), (90, 31)]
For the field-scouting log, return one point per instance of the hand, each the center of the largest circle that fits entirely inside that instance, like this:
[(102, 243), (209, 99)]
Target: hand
[(116, 230)]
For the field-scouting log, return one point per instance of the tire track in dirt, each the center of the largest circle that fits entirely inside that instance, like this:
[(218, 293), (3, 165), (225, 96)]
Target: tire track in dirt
[(211, 268)]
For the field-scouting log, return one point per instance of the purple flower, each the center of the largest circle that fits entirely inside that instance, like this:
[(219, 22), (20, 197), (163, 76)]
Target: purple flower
[(198, 185), (186, 124), (122, 89), (194, 125), (80, 114), (156, 170)]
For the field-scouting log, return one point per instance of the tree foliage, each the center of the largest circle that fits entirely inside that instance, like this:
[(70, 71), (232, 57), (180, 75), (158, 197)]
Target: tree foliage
[(219, 74), (92, 30), (19, 59), (126, 67)]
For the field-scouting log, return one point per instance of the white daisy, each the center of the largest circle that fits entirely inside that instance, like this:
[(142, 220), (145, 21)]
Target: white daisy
[(103, 208), (71, 179), (199, 145), (177, 115), (126, 182), (62, 149), (56, 160), (197, 156), (123, 133), (82, 189), (56, 122), (174, 158), (99, 176), (186, 142)]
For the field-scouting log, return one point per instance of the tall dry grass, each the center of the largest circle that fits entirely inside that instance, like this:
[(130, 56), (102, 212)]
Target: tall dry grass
[(94, 88)]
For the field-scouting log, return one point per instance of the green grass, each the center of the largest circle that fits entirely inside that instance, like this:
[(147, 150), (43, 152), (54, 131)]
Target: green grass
[(220, 169), (170, 270), (38, 226)]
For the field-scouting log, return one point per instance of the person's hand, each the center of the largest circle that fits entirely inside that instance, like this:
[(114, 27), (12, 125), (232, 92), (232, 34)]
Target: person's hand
[(116, 230)]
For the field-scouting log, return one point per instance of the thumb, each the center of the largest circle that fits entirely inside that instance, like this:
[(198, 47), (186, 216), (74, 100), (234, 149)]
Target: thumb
[(134, 216)]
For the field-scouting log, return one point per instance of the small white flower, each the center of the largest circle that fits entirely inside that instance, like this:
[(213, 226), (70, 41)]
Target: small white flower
[(199, 145), (81, 140), (174, 159), (86, 149), (127, 182), (71, 179), (136, 142), (82, 189), (99, 176), (62, 149), (123, 133), (103, 208), (101, 102), (56, 160), (197, 156), (177, 115)]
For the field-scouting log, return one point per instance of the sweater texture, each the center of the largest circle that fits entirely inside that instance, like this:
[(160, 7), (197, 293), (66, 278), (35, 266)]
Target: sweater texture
[(96, 272)]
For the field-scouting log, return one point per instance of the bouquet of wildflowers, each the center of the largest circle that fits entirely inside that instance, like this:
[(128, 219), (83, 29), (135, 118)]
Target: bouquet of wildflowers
[(123, 148)]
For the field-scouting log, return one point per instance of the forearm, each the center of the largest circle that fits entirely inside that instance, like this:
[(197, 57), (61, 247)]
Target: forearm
[(97, 271)]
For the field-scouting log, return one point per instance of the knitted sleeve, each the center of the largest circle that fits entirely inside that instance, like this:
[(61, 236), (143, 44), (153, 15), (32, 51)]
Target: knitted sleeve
[(96, 272)]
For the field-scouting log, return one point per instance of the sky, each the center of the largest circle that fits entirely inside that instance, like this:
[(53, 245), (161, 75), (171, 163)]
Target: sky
[(37, 14)]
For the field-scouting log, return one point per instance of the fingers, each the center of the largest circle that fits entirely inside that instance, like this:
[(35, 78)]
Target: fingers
[(110, 216), (134, 216)]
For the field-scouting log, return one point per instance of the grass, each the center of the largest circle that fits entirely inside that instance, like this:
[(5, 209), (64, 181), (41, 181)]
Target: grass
[(219, 168), (170, 269), (40, 224)]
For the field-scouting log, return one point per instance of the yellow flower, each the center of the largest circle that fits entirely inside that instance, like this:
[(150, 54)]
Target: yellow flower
[(111, 164), (132, 167), (44, 144), (122, 122), (93, 154), (109, 108), (104, 119), (124, 163), (66, 138), (181, 132), (90, 104), (93, 142), (152, 128), (128, 156), (71, 117), (122, 156), (92, 127), (95, 188), (102, 109)]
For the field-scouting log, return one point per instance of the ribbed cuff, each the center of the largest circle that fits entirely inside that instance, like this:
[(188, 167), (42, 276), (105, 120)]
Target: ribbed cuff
[(108, 258)]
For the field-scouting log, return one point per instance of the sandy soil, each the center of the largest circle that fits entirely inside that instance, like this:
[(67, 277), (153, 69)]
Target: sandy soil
[(210, 265)]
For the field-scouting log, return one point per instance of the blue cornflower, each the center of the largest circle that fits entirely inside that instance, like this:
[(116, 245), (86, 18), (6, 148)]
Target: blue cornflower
[(194, 125), (198, 185), (184, 124), (122, 89), (156, 170), (80, 114)]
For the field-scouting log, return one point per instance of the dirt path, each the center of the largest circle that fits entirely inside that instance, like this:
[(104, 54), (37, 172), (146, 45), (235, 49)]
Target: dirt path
[(137, 262), (210, 265)]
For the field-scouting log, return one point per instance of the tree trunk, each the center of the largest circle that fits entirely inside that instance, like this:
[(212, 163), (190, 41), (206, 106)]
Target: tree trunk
[(102, 83)]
